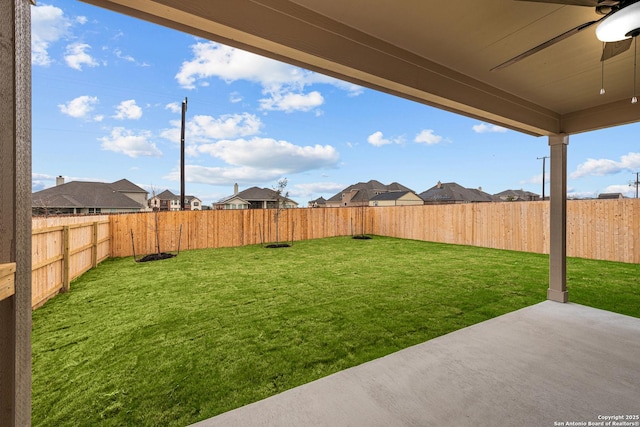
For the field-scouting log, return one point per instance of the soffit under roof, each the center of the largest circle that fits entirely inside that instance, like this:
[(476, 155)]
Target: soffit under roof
[(437, 53)]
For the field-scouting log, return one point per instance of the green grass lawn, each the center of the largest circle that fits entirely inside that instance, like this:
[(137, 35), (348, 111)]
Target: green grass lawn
[(175, 341)]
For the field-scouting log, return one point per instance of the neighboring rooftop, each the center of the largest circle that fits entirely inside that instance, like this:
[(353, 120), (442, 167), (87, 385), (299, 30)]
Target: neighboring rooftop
[(451, 192), (168, 195), (517, 195), (362, 192), (320, 202), (78, 196), (256, 194), (391, 195), (610, 196)]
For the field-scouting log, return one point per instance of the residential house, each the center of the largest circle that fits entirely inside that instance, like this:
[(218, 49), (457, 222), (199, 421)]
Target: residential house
[(610, 196), (320, 202), (517, 196), (167, 201), (192, 203), (396, 198), (82, 197), (451, 192), (254, 198), (361, 193)]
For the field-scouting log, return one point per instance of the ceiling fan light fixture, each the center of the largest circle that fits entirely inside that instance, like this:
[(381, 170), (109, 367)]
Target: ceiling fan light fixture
[(620, 25)]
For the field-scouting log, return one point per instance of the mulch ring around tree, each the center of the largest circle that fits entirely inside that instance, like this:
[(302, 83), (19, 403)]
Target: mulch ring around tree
[(156, 257), (278, 245)]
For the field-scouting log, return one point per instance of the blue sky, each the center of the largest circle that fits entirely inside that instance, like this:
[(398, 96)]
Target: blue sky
[(107, 93)]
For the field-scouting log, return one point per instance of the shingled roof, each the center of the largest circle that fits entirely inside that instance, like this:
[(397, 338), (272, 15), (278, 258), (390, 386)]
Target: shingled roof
[(82, 194), (256, 194), (452, 192), (126, 186), (391, 195), (168, 195), (367, 190), (517, 195)]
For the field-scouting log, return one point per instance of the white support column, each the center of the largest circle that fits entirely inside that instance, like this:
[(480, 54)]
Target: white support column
[(558, 219), (15, 210)]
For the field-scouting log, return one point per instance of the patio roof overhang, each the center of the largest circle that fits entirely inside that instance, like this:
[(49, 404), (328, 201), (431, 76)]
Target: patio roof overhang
[(437, 53)]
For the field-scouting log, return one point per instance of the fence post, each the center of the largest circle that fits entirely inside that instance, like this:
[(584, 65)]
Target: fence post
[(65, 259), (94, 249)]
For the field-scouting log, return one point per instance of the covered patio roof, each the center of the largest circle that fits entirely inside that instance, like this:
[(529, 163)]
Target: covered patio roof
[(437, 53)]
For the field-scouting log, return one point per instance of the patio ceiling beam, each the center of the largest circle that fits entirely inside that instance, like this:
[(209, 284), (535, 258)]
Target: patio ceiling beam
[(613, 114), (285, 31)]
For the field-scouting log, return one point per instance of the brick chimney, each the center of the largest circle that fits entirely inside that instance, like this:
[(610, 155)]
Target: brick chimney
[(439, 185), (235, 189), (59, 180)]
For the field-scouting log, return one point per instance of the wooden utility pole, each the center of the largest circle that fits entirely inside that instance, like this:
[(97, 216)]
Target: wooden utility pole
[(184, 113), (544, 171)]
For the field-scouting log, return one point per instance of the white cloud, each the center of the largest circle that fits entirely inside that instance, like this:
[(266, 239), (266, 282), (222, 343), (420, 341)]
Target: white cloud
[(48, 25), (282, 83), (536, 179), (81, 20), (627, 190), (40, 181), (289, 102), (79, 107), (572, 194), (311, 189), (76, 56), (230, 64), (235, 97), (224, 175), (377, 139), (126, 142), (118, 53), (272, 155), (174, 107), (427, 136), (128, 110), (600, 167), (203, 129), (486, 128)]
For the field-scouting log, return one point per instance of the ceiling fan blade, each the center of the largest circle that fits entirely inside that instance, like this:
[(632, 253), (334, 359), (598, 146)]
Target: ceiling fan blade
[(545, 45), (588, 3), (612, 49)]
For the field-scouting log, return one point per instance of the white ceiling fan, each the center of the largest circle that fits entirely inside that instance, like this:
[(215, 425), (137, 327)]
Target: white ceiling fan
[(618, 26)]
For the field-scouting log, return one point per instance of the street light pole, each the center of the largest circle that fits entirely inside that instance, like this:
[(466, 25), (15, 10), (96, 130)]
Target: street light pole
[(184, 113), (544, 171)]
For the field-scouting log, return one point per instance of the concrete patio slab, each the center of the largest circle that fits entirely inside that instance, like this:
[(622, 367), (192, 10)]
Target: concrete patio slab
[(550, 364)]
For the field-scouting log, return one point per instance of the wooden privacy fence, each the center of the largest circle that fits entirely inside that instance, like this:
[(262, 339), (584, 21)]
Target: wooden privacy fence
[(596, 229), (63, 249), (222, 228)]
